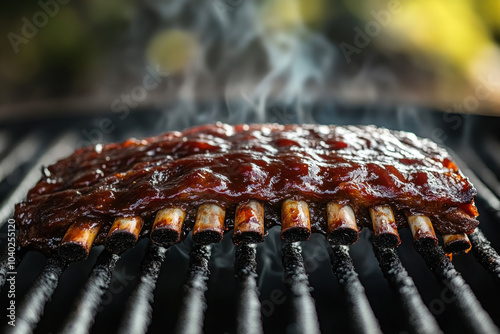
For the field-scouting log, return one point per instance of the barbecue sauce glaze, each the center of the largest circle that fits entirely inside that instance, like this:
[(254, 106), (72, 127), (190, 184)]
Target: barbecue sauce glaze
[(357, 165)]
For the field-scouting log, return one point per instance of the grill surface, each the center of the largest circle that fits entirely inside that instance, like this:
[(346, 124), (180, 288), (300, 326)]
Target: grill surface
[(294, 295)]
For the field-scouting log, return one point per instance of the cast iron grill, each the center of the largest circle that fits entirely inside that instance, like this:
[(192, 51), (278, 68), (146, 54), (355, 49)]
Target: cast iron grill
[(137, 313)]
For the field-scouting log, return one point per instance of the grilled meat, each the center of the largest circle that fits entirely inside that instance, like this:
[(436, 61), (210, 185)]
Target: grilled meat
[(223, 166)]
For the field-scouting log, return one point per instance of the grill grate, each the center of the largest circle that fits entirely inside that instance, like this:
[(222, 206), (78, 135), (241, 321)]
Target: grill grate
[(31, 309), (467, 304), (139, 308), (249, 319), (194, 304), (83, 315), (485, 254), (60, 147), (306, 320), (364, 320), (419, 318), (138, 311), (5, 263)]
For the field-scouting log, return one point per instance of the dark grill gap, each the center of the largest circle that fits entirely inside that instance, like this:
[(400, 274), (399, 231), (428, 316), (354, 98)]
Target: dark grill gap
[(362, 318), (137, 315), (82, 317)]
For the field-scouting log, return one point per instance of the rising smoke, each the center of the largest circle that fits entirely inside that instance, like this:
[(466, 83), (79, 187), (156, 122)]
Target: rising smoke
[(242, 61)]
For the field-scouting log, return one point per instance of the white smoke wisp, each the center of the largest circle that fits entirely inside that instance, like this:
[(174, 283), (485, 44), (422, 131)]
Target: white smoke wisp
[(298, 63), (246, 56)]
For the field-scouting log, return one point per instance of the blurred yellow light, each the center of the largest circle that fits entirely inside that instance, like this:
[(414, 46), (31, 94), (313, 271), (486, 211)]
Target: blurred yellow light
[(313, 11), (449, 29), (281, 15), (490, 11), (172, 50)]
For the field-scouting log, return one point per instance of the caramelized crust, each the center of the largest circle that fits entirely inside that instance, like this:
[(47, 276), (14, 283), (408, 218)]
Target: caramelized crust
[(362, 166)]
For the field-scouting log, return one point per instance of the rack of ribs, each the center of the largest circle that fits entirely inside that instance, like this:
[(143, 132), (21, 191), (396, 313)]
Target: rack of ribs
[(209, 179)]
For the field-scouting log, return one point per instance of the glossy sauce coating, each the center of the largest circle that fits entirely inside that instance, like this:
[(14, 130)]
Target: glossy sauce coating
[(361, 166)]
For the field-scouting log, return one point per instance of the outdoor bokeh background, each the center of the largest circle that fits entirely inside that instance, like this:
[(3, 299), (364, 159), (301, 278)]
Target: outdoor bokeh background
[(80, 73), (86, 54)]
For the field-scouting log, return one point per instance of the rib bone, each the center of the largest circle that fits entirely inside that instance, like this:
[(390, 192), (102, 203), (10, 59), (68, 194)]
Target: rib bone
[(249, 223), (209, 224), (295, 221), (384, 227), (342, 227), (123, 234), (456, 243), (167, 226), (422, 230), (76, 244)]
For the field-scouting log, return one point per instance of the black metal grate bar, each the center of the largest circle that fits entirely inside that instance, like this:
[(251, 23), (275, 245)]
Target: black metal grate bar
[(4, 269), (21, 152), (485, 254), (137, 315), (61, 146), (194, 304), (83, 315), (249, 308), (33, 305), (419, 317), (295, 276), (474, 316), (363, 319), (5, 264)]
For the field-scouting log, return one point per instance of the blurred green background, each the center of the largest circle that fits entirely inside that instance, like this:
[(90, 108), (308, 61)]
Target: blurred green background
[(85, 53)]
